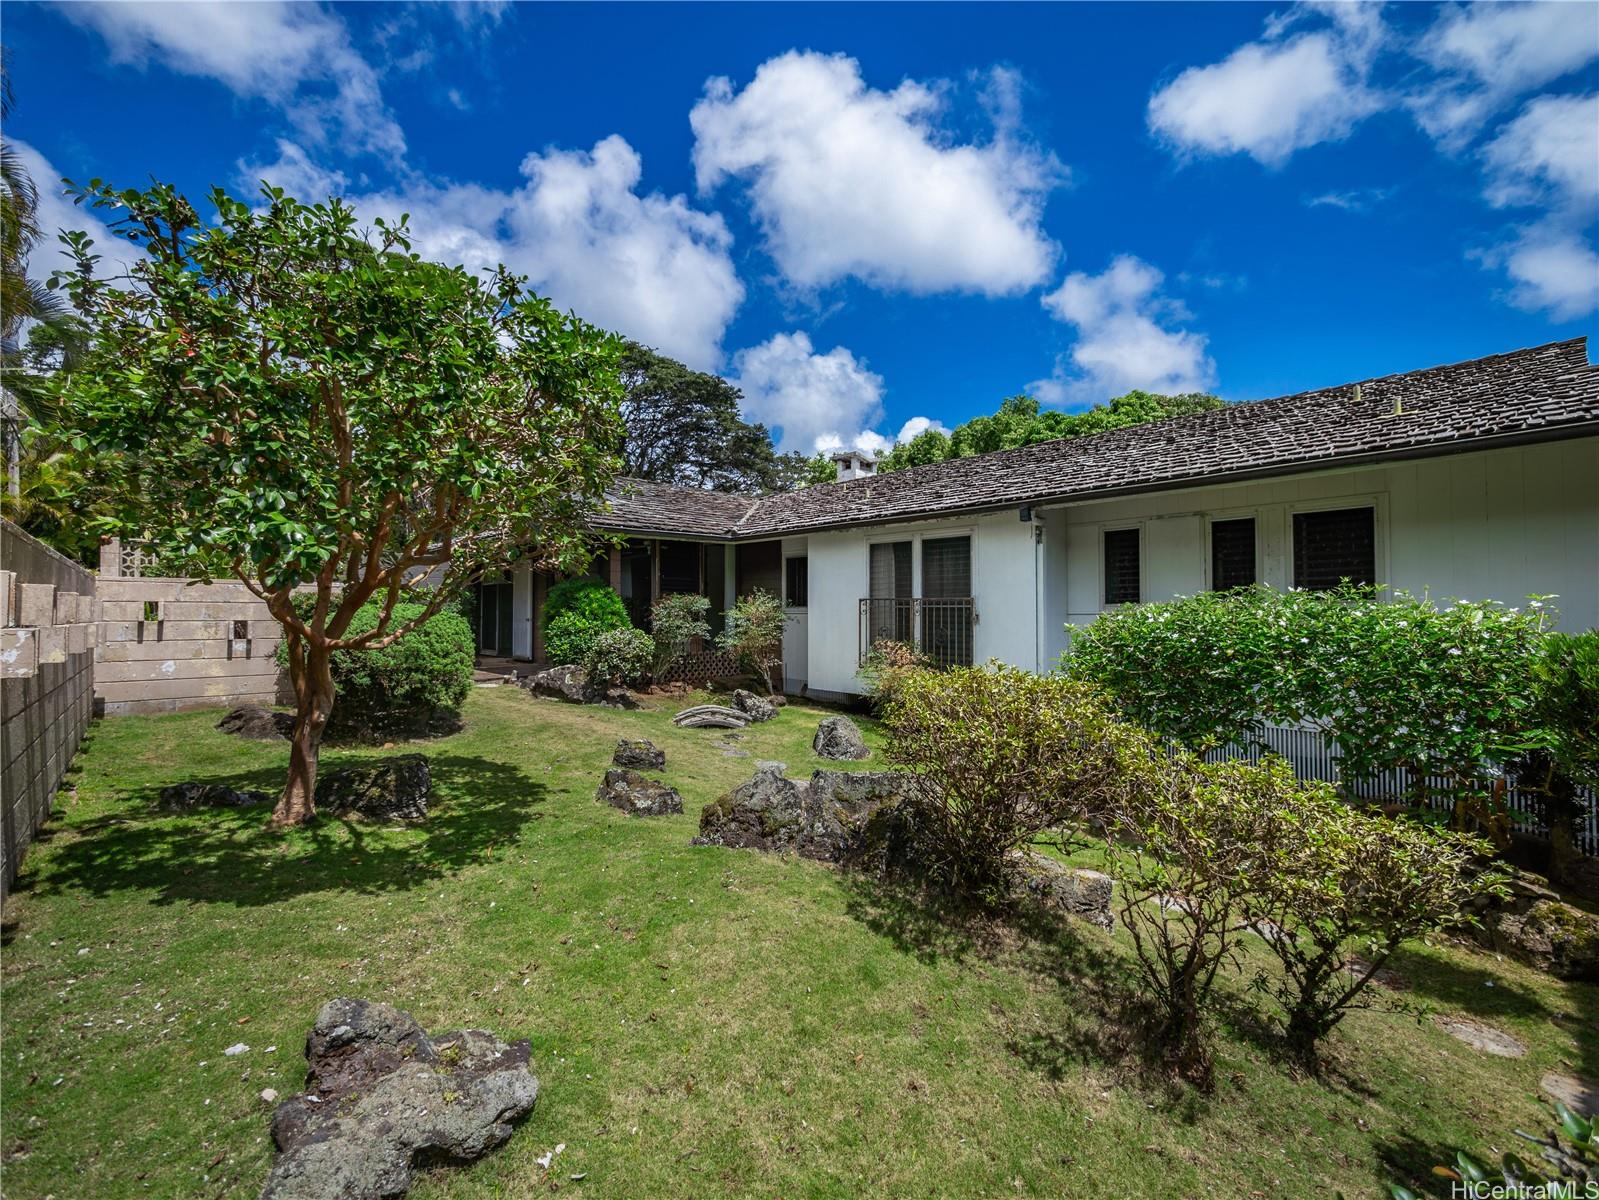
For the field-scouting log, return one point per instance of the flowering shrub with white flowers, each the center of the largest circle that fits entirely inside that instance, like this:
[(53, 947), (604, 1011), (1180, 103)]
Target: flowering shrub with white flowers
[(1397, 682)]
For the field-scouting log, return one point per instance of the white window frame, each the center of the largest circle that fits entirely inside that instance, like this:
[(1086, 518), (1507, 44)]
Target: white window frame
[(1377, 502)]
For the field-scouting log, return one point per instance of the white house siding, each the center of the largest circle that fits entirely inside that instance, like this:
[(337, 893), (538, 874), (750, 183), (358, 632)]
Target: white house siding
[(1496, 524), (522, 608), (1009, 581)]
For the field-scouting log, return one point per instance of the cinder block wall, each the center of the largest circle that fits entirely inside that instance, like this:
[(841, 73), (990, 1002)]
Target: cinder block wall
[(167, 645), (47, 637)]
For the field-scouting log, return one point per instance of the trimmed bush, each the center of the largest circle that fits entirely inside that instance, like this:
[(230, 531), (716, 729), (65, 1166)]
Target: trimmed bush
[(675, 621), (1399, 684), (1006, 755), (754, 635), (888, 663), (576, 611), (620, 658), (403, 688)]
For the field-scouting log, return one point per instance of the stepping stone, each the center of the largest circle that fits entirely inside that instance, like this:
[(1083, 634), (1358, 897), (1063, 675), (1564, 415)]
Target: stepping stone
[(1480, 1037), (1580, 1095)]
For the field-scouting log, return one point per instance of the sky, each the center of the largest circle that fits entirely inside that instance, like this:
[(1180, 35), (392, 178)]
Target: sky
[(880, 218)]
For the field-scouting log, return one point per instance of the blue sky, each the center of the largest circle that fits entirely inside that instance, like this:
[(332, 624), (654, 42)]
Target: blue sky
[(872, 217)]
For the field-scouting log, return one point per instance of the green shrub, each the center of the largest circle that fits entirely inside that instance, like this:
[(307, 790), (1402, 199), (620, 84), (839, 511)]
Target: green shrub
[(401, 688), (620, 657), (1333, 882), (675, 621), (1398, 684), (1185, 856), (1005, 755), (754, 635), (1567, 676), (576, 611), (888, 663)]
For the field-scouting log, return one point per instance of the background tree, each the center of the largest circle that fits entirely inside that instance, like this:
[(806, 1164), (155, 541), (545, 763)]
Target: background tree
[(796, 470), (28, 306), (684, 427), (323, 410), (1020, 422)]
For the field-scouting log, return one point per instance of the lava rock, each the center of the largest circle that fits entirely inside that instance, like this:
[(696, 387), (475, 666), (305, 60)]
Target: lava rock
[(823, 818), (640, 755), (711, 716), (636, 795), (1076, 892), (839, 737), (257, 723), (569, 683), (386, 789), (382, 1096), (1551, 936), (184, 797), (756, 708)]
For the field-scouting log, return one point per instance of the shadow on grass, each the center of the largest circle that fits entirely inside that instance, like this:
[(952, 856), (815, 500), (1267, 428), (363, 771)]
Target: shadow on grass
[(1105, 1015), (230, 856)]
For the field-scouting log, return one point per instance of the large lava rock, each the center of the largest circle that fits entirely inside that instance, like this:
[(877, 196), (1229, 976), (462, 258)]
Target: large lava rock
[(381, 1096), (184, 797), (385, 789), (839, 737), (257, 723), (756, 708), (641, 755), (636, 795), (824, 818), (560, 683)]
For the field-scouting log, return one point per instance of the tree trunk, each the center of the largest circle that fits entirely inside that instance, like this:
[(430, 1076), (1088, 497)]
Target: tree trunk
[(311, 673), (1562, 811)]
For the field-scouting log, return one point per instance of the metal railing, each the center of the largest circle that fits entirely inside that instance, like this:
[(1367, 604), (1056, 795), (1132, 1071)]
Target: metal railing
[(1314, 755), (941, 628)]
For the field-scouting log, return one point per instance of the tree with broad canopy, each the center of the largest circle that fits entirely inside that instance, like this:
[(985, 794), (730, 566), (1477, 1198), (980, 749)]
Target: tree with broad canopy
[(309, 406)]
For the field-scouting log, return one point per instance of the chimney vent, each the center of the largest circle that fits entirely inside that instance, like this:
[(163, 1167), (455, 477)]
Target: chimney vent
[(853, 464)]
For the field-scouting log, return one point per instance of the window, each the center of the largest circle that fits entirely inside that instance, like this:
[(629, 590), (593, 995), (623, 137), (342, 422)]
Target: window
[(1332, 545), (946, 567), (1122, 574), (796, 582), (890, 570), (1232, 554)]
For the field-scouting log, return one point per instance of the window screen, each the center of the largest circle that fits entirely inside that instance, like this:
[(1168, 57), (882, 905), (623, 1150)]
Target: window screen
[(1333, 545), (890, 570), (1232, 553), (1121, 566), (946, 567), (796, 582)]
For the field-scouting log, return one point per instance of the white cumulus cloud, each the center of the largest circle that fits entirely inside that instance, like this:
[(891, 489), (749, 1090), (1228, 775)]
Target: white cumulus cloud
[(846, 180), (647, 265), (58, 212), (1272, 97), (295, 56), (1488, 53), (1549, 154), (1551, 270), (810, 401), (1126, 337)]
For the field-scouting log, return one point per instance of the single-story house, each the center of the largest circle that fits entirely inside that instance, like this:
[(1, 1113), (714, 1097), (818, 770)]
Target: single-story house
[(1477, 480)]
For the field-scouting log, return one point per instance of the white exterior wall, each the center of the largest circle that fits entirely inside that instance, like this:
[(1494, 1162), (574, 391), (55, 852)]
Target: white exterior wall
[(1491, 525), (1008, 583)]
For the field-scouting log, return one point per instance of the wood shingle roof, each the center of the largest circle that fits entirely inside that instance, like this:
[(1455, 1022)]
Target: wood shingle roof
[(1538, 394)]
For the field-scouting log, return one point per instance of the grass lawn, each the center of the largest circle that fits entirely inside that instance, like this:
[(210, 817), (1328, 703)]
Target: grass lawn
[(705, 1022)]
